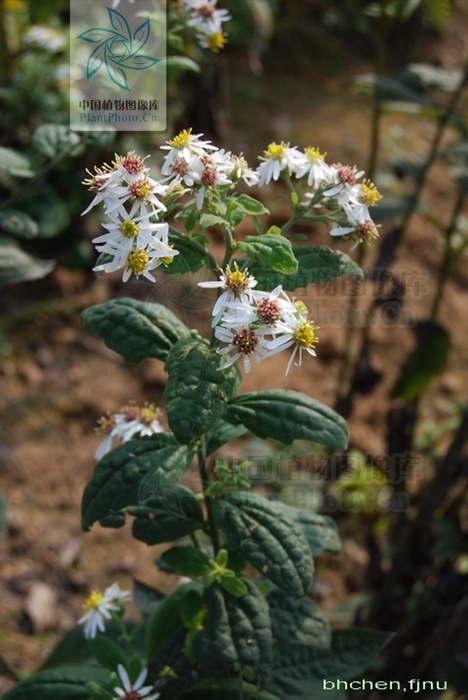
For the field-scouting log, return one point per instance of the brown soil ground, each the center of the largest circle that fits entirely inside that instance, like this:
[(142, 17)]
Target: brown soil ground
[(58, 379)]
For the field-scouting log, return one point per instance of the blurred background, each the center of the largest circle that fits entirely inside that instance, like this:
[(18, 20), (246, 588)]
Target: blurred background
[(382, 85)]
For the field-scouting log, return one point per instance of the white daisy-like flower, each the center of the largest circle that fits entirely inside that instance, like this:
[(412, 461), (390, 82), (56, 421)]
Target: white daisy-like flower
[(344, 184), (206, 18), (264, 310), (243, 342), (184, 145), (313, 165), (214, 42), (297, 332), (242, 171), (213, 174), (45, 37), (139, 261), (277, 157), (143, 192), (130, 421), (135, 691), (360, 228), (237, 286), (184, 170), (100, 607), (127, 233)]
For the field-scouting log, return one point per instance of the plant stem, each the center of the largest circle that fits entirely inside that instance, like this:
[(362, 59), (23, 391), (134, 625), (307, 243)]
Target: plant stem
[(448, 255), (201, 249), (205, 482)]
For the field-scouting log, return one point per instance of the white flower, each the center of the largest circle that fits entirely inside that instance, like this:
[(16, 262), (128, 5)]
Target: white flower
[(100, 607), (345, 188), (186, 144), (237, 287), (360, 227), (136, 691), (243, 342), (313, 165), (297, 332), (44, 37), (206, 18), (242, 171), (278, 157), (264, 310), (212, 174), (130, 421), (139, 261), (126, 233)]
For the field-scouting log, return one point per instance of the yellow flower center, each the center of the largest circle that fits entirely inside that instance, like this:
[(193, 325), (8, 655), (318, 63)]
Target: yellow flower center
[(140, 189), (181, 140), (301, 307), (94, 601), (314, 153), (235, 280), (217, 41), (369, 195), (129, 229), (304, 335), (166, 260), (367, 231), (149, 413), (137, 261), (275, 150)]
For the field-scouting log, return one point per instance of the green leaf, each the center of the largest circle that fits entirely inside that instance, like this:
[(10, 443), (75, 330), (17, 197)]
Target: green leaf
[(17, 266), (167, 518), (166, 619), (235, 586), (190, 259), (192, 609), (225, 689), (321, 531), (207, 220), (267, 539), (187, 561), (316, 264), (299, 671), (52, 139), (72, 648), (175, 64), (127, 474), (251, 206), (135, 329), (427, 361), (108, 653), (298, 621), (221, 433), (146, 598), (14, 163), (237, 631), (271, 251), (66, 683), (197, 390), (18, 224), (286, 416)]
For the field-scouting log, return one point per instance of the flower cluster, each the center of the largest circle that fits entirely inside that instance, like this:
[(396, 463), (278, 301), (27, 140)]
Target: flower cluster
[(131, 421), (257, 324), (207, 20), (201, 166), (135, 239), (100, 607), (335, 187), (45, 38)]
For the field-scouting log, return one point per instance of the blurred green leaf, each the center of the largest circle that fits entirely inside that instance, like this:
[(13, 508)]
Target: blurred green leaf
[(427, 361), (53, 139), (14, 163), (18, 224), (17, 266)]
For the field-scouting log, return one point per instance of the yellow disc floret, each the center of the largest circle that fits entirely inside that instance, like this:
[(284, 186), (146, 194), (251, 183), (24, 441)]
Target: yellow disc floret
[(129, 229), (301, 307), (94, 601), (137, 261), (304, 335), (236, 280), (149, 413), (369, 194), (217, 41), (314, 153), (181, 140), (275, 150)]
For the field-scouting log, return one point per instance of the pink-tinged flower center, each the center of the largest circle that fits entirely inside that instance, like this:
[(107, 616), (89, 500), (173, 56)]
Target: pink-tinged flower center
[(268, 311), (105, 425), (367, 230), (347, 175), (131, 695), (207, 11), (140, 189), (246, 341), (179, 167), (133, 164), (209, 176)]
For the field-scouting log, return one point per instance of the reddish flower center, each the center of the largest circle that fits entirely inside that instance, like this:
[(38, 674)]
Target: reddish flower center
[(206, 11), (131, 695), (366, 230), (140, 189), (347, 175), (268, 311), (133, 164), (246, 341)]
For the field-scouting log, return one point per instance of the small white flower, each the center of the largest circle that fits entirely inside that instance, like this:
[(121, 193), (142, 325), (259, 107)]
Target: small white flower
[(45, 37), (139, 261), (126, 233), (136, 691), (297, 332), (344, 188), (278, 157), (313, 165), (360, 227), (130, 421), (243, 342), (237, 287), (212, 174), (100, 607), (186, 144), (206, 18), (242, 171)]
